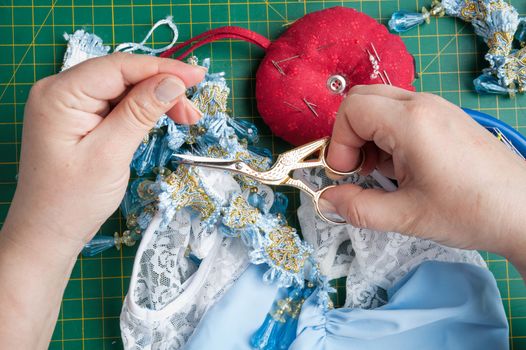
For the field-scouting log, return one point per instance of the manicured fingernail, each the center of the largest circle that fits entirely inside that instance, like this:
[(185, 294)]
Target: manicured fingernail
[(169, 89), (195, 114), (204, 68)]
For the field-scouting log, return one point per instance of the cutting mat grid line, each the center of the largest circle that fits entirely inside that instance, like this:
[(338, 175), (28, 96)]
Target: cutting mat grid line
[(447, 54)]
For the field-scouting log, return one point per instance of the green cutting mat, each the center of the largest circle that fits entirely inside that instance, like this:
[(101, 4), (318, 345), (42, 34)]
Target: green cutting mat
[(447, 54)]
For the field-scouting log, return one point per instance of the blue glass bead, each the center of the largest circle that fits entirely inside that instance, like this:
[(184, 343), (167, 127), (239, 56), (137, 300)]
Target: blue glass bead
[(281, 202), (97, 245), (140, 150), (244, 130), (261, 151), (520, 34), (144, 192), (146, 161), (194, 259), (131, 202), (488, 84), (165, 153), (256, 200), (402, 21)]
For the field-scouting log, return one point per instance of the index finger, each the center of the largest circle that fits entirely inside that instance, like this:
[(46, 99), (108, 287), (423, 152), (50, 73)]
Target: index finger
[(363, 118), (109, 76)]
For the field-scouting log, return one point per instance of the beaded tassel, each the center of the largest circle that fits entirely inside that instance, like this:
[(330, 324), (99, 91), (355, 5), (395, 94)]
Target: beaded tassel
[(488, 84), (278, 330), (100, 244), (255, 199), (145, 161), (270, 332), (244, 130), (402, 21)]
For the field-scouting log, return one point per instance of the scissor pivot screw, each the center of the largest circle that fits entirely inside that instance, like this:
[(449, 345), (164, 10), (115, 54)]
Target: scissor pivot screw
[(239, 166)]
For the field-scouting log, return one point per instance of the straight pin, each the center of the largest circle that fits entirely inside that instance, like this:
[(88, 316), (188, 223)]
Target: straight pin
[(275, 64), (293, 107), (311, 106), (383, 79), (387, 77), (376, 53)]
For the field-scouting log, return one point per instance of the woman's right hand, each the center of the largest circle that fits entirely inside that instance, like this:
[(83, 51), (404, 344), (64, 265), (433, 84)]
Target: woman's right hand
[(458, 185)]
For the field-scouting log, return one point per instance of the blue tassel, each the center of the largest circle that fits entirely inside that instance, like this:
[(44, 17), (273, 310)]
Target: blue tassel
[(244, 130), (402, 21), (278, 330), (289, 333), (488, 84), (263, 339), (97, 245)]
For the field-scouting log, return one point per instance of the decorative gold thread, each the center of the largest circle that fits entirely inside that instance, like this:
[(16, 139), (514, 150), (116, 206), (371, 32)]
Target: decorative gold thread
[(240, 214), (188, 192), (283, 249)]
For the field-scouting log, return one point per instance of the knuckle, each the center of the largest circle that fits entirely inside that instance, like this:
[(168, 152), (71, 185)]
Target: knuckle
[(40, 87), (357, 216), (421, 114), (350, 101), (141, 112)]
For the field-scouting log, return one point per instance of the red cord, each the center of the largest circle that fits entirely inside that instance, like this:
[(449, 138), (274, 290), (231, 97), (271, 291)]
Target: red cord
[(229, 32)]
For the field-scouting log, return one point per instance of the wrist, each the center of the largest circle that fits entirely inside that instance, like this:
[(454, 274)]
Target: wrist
[(516, 252), (40, 241)]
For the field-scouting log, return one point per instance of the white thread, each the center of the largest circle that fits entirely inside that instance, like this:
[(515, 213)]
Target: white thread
[(130, 47)]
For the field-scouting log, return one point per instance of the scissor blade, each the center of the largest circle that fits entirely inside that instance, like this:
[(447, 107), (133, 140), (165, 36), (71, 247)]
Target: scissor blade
[(207, 162), (202, 161)]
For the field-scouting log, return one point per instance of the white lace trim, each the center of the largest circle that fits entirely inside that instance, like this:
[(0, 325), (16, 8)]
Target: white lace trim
[(372, 261), (168, 294)]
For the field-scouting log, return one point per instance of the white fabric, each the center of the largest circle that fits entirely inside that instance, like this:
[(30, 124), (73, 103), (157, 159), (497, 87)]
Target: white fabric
[(168, 293), (372, 261)]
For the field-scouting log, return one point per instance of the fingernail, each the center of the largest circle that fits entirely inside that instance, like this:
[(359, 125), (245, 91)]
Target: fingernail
[(326, 206), (329, 210), (169, 89), (203, 68), (195, 113)]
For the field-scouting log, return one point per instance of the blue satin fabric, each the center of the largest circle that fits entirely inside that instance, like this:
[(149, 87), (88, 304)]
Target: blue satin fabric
[(436, 306)]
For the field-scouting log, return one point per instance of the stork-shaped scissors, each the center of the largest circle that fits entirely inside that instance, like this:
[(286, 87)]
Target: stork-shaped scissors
[(280, 172)]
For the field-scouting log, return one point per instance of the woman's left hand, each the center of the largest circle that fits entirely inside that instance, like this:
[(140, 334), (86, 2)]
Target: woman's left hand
[(81, 129)]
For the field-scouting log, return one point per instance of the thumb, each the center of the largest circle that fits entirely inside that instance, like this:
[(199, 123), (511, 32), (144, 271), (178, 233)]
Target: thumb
[(125, 126), (372, 208)]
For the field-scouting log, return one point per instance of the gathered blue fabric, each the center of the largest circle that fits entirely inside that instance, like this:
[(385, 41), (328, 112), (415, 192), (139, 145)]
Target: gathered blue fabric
[(438, 305)]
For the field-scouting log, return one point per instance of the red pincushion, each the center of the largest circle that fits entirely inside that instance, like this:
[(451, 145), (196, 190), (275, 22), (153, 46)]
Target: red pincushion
[(317, 46)]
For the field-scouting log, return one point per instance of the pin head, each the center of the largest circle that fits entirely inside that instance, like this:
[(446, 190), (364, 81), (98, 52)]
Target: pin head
[(336, 83)]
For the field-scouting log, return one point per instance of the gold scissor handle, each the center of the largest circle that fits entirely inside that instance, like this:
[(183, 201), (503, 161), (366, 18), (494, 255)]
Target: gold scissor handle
[(299, 154), (323, 159), (333, 218)]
